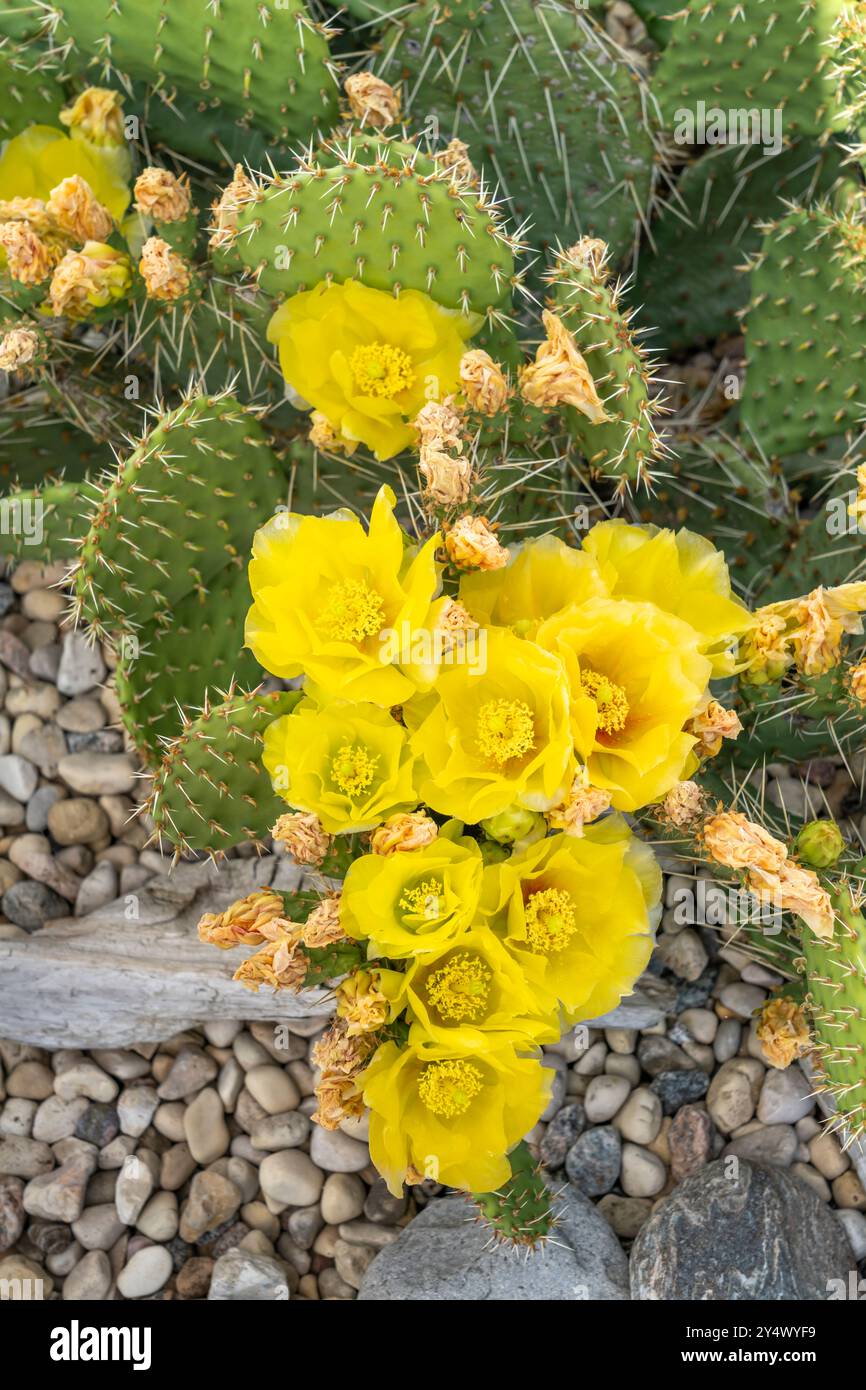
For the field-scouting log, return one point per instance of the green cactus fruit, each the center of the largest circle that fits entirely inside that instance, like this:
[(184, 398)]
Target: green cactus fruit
[(750, 58), (553, 113), (245, 69), (182, 507), (835, 976), (356, 211), (689, 280), (820, 843), (170, 662), (521, 1212), (627, 444), (805, 378), (210, 791)]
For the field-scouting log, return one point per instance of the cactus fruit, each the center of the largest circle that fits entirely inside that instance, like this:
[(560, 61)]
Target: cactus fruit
[(777, 57), (581, 159), (521, 1212), (835, 980), (805, 378), (353, 211), (210, 790), (626, 444)]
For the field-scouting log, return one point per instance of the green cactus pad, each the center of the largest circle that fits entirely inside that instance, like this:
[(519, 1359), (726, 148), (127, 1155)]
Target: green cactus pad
[(169, 663), (627, 445), (579, 158), (690, 281), (835, 977), (30, 94), (243, 68), (521, 1212), (361, 211), (211, 791), (753, 56), (182, 507), (806, 331)]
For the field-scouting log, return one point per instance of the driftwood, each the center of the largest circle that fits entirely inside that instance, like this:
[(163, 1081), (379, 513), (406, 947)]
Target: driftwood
[(135, 971)]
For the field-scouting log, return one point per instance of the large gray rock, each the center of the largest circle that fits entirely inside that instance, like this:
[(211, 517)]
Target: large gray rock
[(758, 1234), (446, 1256), (646, 1006), (135, 970)]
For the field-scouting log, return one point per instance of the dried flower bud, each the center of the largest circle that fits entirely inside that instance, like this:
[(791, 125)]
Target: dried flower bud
[(455, 160), (233, 198), (684, 805), (29, 259), (471, 545), (589, 253), (404, 832), (339, 1099), (452, 624), (737, 843), (242, 924), (559, 375), (158, 194), (166, 275), (483, 382), (323, 436), (856, 679), (98, 114), (339, 1051), (446, 473), (783, 1032), (18, 347), (361, 1003), (282, 964), (372, 101), (304, 836), (322, 927), (796, 890), (711, 726), (77, 211)]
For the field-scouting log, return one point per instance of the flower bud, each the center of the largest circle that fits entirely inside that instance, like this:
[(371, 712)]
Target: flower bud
[(515, 824), (819, 843)]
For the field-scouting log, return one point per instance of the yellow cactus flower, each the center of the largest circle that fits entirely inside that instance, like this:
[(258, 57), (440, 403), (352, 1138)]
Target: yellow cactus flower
[(41, 157), (542, 577), (487, 738), (584, 908), (450, 1117), (811, 628), (636, 674), (368, 361), (411, 904), (348, 764), (473, 995), (681, 573), (328, 595)]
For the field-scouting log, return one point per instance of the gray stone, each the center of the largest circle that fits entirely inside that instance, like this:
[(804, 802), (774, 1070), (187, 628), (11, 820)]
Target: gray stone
[(90, 1280), (59, 1195), (22, 1157), (677, 1088), (755, 1235), (31, 905), (336, 1152), (242, 1277), (776, 1144), (135, 1109), (280, 1131), (38, 807), (145, 1273), (565, 1127), (593, 1161), (97, 888), (786, 1097), (443, 1256), (11, 1211), (18, 777), (81, 665)]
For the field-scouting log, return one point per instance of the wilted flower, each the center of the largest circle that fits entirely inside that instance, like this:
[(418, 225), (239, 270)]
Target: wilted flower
[(97, 113), (471, 545), (339, 1099), (29, 258), (455, 160), (856, 676), (797, 890), (361, 1003), (281, 964), (322, 927), (166, 275), (75, 209), (583, 804), (304, 836), (91, 278), (559, 375), (235, 196), (483, 382), (683, 805), (404, 833), (323, 436), (738, 843), (162, 196), (711, 726), (446, 472), (783, 1031), (372, 101), (18, 346), (243, 923)]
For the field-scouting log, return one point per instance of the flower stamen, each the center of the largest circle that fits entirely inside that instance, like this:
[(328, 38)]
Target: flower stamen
[(505, 729), (610, 700), (352, 612), (460, 988), (550, 920), (449, 1088), (380, 369), (353, 769)]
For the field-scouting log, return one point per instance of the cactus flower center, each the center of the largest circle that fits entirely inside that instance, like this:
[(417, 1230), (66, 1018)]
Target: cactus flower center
[(460, 988), (610, 700), (423, 901), (550, 920), (352, 611), (505, 729), (449, 1088), (353, 769), (380, 369)]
